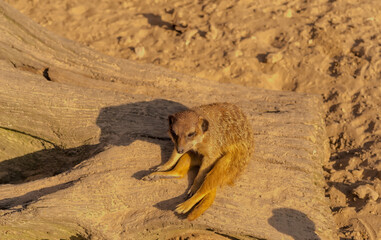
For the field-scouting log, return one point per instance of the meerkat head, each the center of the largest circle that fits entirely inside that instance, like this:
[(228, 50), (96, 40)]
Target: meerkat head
[(187, 130)]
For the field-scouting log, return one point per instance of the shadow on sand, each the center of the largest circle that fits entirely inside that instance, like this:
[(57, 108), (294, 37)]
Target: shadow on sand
[(293, 223)]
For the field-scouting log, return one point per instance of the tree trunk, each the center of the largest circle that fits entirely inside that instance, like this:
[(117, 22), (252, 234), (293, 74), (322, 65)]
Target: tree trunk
[(79, 129)]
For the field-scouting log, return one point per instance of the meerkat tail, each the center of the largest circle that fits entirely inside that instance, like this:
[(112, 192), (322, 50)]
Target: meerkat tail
[(203, 205)]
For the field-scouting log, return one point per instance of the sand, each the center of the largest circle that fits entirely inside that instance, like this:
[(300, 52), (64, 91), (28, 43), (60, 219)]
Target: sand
[(330, 48)]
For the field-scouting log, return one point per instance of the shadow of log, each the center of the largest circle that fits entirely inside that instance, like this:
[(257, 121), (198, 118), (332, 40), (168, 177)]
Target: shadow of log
[(293, 223), (120, 126), (44, 163), (21, 202)]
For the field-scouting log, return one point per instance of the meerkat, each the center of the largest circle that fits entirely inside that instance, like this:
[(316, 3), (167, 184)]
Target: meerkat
[(216, 137)]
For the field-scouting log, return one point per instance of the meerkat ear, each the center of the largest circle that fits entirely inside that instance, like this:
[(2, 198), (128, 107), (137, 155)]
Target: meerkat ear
[(171, 120), (204, 124)]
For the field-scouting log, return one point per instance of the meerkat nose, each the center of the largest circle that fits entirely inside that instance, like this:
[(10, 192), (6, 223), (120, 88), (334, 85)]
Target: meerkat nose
[(180, 150)]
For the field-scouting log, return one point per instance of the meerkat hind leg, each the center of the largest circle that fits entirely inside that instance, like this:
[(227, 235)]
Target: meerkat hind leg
[(178, 171), (200, 177), (217, 177), (204, 204)]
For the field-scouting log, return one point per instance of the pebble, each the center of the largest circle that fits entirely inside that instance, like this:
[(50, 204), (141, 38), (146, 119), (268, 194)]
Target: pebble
[(336, 176), (140, 52), (358, 173), (338, 197), (189, 34), (78, 10), (213, 32), (288, 13), (238, 53), (366, 190), (274, 57), (209, 8)]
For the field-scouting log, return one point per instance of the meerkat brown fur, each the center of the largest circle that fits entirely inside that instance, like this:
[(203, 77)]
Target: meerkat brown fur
[(216, 137)]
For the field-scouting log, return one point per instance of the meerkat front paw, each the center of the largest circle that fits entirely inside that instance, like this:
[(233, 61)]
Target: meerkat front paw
[(149, 177), (161, 175), (154, 176)]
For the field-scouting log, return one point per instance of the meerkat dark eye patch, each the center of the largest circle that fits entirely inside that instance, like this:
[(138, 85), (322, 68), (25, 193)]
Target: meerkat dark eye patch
[(173, 134), (171, 120), (191, 134)]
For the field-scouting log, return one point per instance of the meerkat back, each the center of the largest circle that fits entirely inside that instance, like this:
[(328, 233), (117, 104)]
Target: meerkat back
[(231, 132)]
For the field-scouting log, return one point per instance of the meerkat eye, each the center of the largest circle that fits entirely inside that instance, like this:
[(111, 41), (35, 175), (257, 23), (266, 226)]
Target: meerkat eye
[(191, 134)]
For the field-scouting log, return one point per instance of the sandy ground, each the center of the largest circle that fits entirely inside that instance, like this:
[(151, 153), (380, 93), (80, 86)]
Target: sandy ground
[(330, 47)]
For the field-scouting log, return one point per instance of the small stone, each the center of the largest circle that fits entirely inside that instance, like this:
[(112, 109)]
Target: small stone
[(353, 163), (209, 8), (189, 34), (78, 10), (358, 173), (288, 13), (213, 32), (127, 4), (274, 57), (337, 197), (140, 52), (238, 53), (358, 51), (179, 13), (364, 191), (337, 176)]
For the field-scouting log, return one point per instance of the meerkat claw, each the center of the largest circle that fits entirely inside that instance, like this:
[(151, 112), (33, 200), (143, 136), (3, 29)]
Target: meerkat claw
[(151, 177), (190, 193), (147, 178), (180, 209), (158, 169)]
